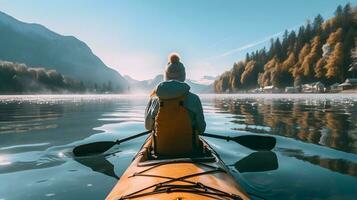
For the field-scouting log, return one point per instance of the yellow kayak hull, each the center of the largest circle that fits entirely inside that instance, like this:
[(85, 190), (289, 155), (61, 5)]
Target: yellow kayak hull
[(182, 178)]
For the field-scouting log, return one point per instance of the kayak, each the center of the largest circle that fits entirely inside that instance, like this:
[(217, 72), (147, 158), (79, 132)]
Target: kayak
[(199, 177)]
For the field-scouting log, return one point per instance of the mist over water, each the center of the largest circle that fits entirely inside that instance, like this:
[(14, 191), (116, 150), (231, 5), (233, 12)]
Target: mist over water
[(315, 156)]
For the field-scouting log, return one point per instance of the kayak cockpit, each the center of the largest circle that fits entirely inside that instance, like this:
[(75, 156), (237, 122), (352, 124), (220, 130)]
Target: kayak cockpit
[(205, 154)]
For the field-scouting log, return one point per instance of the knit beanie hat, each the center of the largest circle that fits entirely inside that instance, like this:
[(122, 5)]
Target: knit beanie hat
[(175, 69)]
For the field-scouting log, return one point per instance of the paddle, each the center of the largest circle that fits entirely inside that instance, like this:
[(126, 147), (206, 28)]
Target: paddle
[(101, 147), (258, 162), (255, 142)]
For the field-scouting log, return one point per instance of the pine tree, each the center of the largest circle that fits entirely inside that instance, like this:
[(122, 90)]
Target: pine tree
[(236, 73), (278, 49), (338, 11), (308, 31), (317, 23)]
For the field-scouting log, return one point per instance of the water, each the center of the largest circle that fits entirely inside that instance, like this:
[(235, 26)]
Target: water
[(315, 156)]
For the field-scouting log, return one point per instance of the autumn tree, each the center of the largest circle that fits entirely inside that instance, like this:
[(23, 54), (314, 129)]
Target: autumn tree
[(311, 59), (334, 63), (320, 70), (250, 74), (334, 37)]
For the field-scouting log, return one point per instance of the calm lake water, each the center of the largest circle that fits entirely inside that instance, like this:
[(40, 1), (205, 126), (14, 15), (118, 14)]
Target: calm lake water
[(315, 156)]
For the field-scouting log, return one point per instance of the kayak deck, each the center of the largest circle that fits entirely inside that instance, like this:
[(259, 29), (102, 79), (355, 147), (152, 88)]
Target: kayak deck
[(204, 177)]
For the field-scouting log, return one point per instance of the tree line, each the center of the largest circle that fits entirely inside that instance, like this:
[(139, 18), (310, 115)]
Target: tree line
[(319, 51), (16, 78)]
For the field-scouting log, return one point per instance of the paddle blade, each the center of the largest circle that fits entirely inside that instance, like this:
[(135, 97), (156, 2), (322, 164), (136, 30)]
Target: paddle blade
[(258, 162), (92, 148), (256, 142)]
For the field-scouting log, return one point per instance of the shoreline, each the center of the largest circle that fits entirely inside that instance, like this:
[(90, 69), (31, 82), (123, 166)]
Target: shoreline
[(349, 91)]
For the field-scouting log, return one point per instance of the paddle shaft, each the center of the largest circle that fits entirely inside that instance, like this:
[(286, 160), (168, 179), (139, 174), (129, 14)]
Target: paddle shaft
[(217, 136), (100, 147), (131, 137), (254, 142)]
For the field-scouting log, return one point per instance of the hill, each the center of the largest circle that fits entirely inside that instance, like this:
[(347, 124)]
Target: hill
[(36, 45), (17, 78), (146, 86), (319, 51)]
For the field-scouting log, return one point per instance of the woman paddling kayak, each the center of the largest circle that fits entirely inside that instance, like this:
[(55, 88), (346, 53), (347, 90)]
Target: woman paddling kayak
[(174, 114), (174, 162)]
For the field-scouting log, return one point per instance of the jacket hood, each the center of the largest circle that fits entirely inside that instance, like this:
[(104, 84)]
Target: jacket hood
[(172, 89)]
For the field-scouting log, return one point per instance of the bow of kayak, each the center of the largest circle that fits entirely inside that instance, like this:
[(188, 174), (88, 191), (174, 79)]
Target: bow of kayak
[(204, 177)]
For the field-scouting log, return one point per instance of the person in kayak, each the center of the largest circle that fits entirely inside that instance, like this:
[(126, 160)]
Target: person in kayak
[(174, 114)]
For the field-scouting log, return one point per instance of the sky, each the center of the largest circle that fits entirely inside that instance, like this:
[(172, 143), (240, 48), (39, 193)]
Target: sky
[(136, 36)]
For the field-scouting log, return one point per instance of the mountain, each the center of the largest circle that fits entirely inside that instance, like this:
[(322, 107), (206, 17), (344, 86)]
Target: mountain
[(206, 80), (144, 86), (200, 88), (147, 86), (38, 46)]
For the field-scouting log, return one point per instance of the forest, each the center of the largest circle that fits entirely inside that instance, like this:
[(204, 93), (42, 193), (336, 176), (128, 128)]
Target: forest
[(321, 50), (16, 78)]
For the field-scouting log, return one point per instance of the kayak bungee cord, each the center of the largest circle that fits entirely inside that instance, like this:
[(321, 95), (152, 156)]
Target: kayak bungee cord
[(201, 176), (195, 187)]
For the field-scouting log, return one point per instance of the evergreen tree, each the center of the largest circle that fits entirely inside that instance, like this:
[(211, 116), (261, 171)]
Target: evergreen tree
[(317, 24), (238, 69)]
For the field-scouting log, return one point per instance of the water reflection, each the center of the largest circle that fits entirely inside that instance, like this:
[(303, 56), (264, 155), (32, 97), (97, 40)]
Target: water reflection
[(23, 117), (337, 165), (26, 123), (324, 122), (258, 162), (9, 166), (98, 164)]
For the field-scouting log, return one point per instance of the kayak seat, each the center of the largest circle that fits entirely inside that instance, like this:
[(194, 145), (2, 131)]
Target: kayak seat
[(178, 160), (199, 152), (149, 157)]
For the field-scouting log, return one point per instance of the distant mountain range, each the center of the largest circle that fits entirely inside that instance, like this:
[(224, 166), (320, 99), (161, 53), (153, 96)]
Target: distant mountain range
[(147, 86), (37, 46), (206, 80)]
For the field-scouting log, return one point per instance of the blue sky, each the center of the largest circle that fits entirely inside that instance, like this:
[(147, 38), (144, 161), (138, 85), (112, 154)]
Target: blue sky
[(135, 36)]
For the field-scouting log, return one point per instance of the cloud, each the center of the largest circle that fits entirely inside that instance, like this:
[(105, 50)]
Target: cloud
[(253, 44), (219, 42)]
